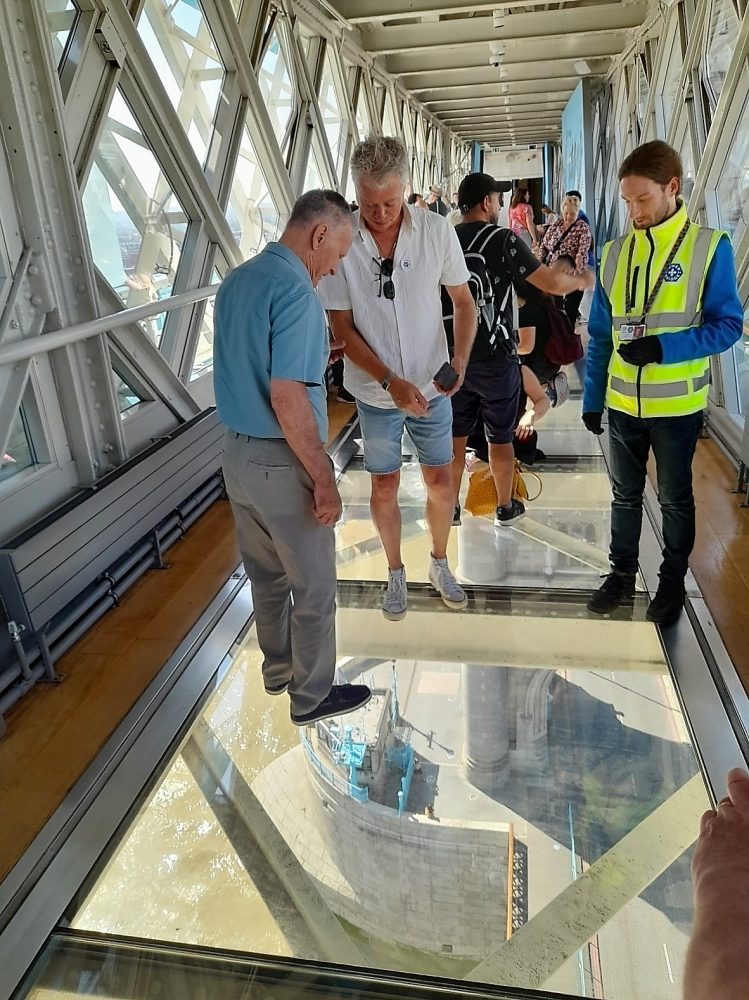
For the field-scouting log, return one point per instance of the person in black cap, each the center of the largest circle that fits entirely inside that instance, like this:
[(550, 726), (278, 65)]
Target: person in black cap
[(491, 389)]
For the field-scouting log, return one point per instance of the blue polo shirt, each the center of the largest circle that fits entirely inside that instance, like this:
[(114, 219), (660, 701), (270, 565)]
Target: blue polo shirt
[(268, 323)]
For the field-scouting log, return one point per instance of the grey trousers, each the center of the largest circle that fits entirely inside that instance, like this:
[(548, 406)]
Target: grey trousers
[(290, 561)]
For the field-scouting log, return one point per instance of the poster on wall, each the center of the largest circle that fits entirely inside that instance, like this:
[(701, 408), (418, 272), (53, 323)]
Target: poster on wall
[(577, 152)]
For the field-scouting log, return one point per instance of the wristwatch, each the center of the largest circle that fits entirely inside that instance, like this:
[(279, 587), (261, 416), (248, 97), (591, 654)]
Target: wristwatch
[(387, 380)]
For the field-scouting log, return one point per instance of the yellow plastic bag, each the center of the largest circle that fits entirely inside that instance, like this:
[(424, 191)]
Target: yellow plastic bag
[(482, 494)]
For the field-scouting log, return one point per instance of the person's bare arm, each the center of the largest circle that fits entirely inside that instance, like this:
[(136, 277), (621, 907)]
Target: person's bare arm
[(526, 339), (558, 283), (294, 412), (539, 403), (464, 330), (405, 394)]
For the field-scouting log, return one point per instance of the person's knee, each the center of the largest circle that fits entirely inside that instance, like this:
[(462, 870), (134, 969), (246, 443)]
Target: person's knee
[(439, 483), (385, 488)]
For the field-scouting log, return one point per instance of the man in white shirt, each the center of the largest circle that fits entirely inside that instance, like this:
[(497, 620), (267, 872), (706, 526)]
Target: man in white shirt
[(385, 305)]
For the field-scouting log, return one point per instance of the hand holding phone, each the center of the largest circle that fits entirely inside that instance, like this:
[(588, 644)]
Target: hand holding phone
[(446, 377)]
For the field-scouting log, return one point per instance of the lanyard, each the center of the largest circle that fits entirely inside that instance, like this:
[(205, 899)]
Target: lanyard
[(661, 277)]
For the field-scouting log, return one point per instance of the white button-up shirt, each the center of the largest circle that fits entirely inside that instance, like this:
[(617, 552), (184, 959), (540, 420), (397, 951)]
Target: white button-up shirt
[(406, 333)]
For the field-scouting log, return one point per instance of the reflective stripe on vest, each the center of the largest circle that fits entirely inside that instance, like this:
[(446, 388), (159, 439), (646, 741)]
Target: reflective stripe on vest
[(659, 389)]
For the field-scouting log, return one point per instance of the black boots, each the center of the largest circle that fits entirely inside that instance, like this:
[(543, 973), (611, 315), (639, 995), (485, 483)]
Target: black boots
[(614, 589), (666, 606)]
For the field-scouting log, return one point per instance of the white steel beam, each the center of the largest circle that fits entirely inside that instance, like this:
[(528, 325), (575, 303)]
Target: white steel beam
[(563, 85), (520, 51), (51, 215), (568, 922), (479, 30), (363, 11)]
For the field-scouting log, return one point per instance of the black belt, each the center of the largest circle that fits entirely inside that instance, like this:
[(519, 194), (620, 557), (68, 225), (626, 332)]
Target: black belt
[(253, 437)]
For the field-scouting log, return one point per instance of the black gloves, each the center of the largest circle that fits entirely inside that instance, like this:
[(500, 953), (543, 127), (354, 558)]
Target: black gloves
[(645, 351), (593, 422)]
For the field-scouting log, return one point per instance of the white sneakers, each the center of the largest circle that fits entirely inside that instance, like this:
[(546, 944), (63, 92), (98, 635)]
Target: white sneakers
[(395, 598), (442, 579)]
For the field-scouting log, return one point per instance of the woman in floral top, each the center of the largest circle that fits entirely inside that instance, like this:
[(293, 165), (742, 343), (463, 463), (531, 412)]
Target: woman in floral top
[(569, 237)]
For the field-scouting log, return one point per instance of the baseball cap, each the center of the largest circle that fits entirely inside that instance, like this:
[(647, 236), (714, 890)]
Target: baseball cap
[(475, 187)]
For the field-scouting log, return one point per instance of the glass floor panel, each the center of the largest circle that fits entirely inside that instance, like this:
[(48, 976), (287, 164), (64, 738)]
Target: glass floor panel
[(561, 543), (515, 808), (522, 769)]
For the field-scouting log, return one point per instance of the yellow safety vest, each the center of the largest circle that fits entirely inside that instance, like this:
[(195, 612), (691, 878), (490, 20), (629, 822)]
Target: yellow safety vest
[(658, 390)]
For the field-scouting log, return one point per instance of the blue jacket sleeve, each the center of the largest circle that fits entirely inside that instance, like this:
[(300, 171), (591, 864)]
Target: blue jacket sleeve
[(722, 314), (599, 351)]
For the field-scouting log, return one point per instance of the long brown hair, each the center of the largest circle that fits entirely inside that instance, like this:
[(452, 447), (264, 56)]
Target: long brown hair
[(518, 197)]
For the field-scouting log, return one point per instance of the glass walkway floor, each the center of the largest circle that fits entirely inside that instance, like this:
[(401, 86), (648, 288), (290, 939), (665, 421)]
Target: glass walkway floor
[(513, 814)]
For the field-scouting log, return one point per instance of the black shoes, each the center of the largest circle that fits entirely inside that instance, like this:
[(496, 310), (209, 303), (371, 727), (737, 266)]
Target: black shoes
[(343, 698), (508, 515), (666, 606), (456, 516), (614, 589), (277, 689), (344, 396)]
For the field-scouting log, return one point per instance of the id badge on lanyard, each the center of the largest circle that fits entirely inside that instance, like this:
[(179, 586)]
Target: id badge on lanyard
[(632, 331)]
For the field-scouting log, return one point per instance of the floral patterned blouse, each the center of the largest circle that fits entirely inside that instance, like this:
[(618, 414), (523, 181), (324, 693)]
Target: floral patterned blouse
[(575, 242), (518, 216)]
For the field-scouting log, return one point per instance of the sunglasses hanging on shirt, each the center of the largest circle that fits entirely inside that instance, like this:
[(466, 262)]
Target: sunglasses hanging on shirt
[(387, 288)]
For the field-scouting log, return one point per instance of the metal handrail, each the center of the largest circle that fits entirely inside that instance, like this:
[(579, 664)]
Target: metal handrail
[(23, 349)]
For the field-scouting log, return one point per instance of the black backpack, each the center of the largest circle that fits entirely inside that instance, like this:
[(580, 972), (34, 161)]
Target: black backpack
[(491, 333)]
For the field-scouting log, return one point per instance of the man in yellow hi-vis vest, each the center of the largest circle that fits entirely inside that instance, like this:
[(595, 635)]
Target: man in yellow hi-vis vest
[(666, 300)]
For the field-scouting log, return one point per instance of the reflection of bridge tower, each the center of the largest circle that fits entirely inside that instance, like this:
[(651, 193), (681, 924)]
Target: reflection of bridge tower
[(504, 723), (486, 745)]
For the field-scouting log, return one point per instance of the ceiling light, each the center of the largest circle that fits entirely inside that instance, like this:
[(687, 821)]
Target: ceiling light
[(582, 68), (499, 18)]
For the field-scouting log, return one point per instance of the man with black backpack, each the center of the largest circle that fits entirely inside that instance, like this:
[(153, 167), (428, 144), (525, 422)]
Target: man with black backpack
[(491, 389)]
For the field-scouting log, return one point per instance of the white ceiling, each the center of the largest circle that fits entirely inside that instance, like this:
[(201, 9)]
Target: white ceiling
[(440, 50)]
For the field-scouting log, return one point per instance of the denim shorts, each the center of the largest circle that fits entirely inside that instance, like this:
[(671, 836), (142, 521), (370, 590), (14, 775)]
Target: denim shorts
[(382, 431)]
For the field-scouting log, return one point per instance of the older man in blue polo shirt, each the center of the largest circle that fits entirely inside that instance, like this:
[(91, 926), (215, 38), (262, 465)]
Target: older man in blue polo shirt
[(271, 351)]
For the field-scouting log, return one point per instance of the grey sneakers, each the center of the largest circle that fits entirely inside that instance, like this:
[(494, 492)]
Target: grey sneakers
[(395, 598), (442, 579)]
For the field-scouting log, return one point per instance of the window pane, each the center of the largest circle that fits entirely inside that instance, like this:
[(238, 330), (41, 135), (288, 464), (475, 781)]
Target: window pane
[(389, 126), (127, 397), (687, 161), (181, 47), (203, 360), (741, 361), (332, 116), (19, 452), (643, 90), (251, 212), (723, 30), (277, 87), (363, 126), (732, 191), (135, 224), (670, 96), (313, 177), (61, 18)]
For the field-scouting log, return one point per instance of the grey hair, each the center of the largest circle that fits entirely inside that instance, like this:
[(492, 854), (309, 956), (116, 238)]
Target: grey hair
[(317, 205), (377, 157), (573, 201)]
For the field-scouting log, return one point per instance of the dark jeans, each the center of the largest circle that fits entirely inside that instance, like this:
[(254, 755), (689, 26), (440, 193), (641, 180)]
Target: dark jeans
[(673, 440)]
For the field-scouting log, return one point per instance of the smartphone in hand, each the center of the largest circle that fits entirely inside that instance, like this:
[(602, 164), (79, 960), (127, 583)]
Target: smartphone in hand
[(446, 377)]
